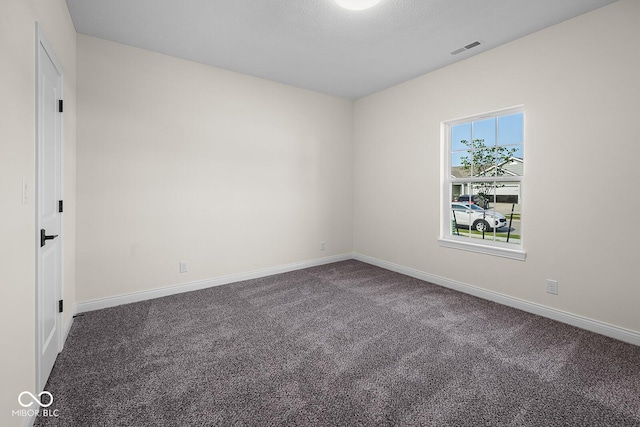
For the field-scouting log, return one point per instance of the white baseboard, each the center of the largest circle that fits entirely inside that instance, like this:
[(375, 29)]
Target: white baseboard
[(602, 328), (67, 327), (203, 284)]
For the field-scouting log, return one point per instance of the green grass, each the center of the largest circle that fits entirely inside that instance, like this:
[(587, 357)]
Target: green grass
[(474, 233)]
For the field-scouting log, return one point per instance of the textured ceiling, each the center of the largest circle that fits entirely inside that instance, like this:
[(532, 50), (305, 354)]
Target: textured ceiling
[(317, 45)]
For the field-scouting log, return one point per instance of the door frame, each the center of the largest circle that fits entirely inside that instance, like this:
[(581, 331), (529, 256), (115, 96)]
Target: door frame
[(41, 41)]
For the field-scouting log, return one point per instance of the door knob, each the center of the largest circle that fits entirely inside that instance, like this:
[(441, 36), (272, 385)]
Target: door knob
[(44, 237)]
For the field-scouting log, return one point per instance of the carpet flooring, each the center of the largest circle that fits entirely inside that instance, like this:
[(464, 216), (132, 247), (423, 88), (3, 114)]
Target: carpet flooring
[(344, 344)]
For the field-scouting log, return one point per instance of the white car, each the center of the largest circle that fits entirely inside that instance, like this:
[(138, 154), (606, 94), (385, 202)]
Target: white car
[(467, 214)]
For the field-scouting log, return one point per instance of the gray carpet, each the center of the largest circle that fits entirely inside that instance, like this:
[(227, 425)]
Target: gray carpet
[(342, 344)]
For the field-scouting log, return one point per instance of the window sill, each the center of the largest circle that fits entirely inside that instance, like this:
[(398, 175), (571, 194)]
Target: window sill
[(484, 249)]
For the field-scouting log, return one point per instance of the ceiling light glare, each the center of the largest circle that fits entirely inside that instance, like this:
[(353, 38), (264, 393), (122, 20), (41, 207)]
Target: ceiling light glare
[(357, 4)]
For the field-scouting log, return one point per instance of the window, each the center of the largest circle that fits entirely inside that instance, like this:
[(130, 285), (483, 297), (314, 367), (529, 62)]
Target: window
[(482, 192)]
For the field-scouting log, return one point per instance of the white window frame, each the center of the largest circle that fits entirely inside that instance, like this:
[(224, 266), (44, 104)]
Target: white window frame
[(449, 240)]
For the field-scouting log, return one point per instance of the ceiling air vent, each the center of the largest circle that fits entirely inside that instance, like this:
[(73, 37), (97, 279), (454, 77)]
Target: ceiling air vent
[(467, 47)]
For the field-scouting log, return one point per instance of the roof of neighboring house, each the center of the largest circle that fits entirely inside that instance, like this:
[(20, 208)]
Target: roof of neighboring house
[(514, 166), (460, 172)]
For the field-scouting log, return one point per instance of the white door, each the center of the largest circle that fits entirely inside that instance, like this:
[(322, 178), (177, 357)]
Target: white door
[(48, 195)]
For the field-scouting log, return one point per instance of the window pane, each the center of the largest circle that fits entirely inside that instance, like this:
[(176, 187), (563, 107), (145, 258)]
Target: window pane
[(460, 165), (456, 191), (457, 158), (483, 158), (485, 130), (511, 129), (508, 202), (460, 133), (508, 192), (459, 213), (482, 193), (512, 162), (519, 153)]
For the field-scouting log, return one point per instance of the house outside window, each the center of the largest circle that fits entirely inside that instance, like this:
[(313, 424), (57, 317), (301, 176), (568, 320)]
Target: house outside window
[(483, 173)]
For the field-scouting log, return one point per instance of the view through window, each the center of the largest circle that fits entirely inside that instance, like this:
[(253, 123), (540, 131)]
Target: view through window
[(484, 173)]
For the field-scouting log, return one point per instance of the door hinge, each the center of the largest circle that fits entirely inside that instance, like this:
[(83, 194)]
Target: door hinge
[(60, 306), (60, 206), (60, 105)]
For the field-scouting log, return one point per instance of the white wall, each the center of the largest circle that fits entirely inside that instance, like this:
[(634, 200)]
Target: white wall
[(178, 161), (579, 84), (17, 162)]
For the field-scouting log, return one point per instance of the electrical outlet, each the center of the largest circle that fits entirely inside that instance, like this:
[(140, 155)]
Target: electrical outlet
[(184, 267), (322, 246), (552, 287)]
